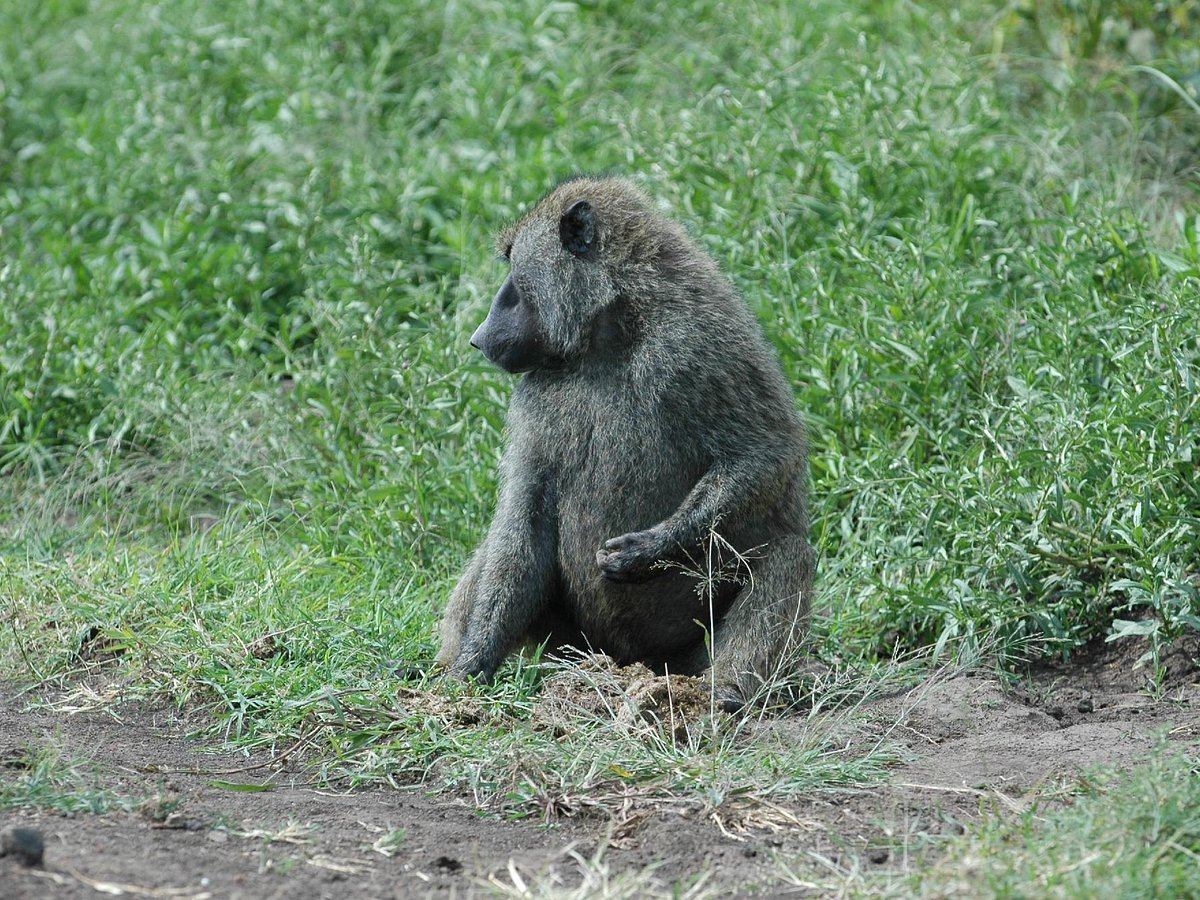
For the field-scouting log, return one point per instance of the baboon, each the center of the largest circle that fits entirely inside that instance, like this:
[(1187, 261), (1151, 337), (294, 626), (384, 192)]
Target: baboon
[(653, 499)]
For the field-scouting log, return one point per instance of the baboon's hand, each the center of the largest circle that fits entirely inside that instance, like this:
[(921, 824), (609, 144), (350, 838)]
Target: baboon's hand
[(631, 557), (470, 668)]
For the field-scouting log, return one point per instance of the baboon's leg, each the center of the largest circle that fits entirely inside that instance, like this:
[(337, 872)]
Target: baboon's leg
[(550, 625), (458, 610), (760, 636), (511, 581)]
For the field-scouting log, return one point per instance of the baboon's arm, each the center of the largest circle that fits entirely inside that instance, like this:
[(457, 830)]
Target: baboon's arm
[(729, 489), (515, 576)]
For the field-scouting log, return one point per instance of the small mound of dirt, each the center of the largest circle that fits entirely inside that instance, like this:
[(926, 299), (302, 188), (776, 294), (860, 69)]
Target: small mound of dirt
[(452, 710), (960, 706), (632, 697)]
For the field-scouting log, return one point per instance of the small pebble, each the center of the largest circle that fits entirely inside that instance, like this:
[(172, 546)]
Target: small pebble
[(1086, 705), (25, 845), (879, 857), (1056, 712)]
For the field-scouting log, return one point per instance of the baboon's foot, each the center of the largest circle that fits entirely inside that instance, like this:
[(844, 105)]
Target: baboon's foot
[(729, 700)]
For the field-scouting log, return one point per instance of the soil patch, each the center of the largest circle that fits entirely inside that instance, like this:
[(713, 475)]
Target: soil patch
[(628, 697), (968, 744)]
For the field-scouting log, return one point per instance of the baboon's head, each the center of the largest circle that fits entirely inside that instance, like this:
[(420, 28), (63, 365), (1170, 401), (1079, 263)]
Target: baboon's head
[(575, 255)]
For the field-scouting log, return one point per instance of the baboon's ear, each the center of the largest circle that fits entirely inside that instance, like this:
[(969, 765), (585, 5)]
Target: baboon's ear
[(577, 228)]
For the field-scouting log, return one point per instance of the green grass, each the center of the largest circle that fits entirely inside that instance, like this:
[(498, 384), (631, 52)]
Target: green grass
[(242, 246), (1134, 837), (49, 779)]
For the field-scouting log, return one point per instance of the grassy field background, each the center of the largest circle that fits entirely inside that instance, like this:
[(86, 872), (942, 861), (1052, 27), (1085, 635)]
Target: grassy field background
[(246, 448)]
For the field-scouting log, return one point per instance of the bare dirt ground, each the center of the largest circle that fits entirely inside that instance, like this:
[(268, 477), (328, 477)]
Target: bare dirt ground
[(969, 745)]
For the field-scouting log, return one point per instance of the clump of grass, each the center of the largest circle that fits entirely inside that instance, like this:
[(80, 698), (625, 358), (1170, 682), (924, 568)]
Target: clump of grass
[(46, 778), (1136, 836)]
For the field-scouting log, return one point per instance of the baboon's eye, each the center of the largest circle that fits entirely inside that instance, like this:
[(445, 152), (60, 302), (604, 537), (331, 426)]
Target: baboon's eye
[(509, 296)]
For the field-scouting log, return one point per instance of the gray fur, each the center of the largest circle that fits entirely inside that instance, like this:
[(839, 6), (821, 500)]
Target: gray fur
[(653, 444)]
